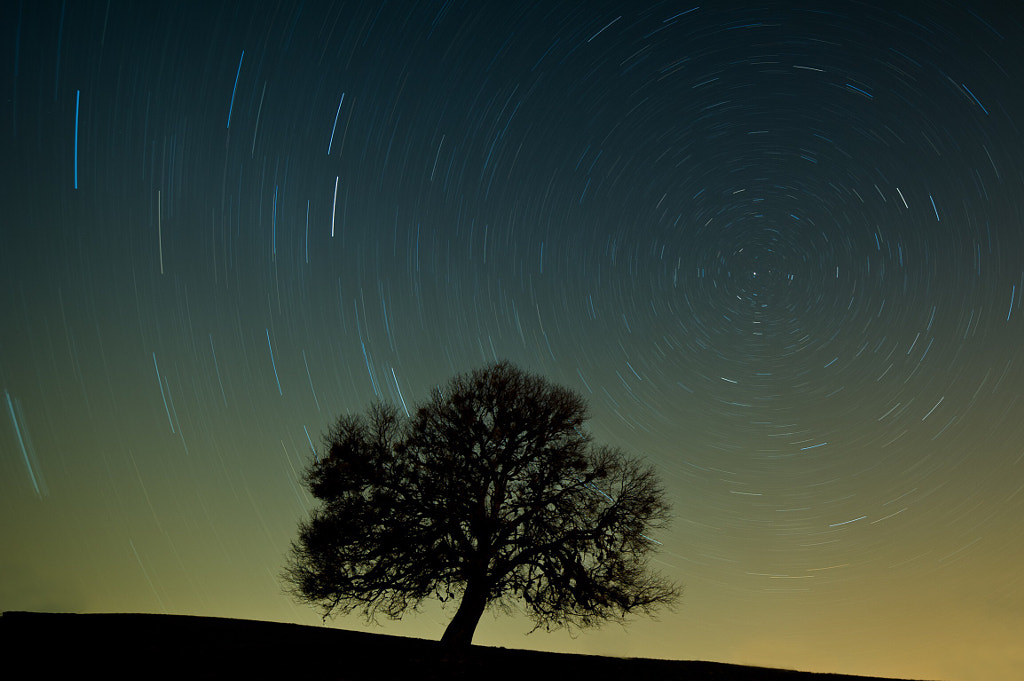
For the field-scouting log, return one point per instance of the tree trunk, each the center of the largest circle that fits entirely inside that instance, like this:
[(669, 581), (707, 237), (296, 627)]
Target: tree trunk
[(459, 634)]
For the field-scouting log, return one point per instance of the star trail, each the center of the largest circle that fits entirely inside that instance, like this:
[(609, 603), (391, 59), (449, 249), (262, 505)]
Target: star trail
[(779, 248)]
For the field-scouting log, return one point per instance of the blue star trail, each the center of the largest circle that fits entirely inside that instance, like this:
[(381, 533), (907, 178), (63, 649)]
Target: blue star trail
[(777, 247)]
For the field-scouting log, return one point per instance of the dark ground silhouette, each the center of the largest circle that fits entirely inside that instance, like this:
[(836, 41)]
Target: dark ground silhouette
[(117, 646)]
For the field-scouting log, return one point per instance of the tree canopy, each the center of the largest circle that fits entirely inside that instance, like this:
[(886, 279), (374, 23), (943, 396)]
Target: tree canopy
[(491, 493)]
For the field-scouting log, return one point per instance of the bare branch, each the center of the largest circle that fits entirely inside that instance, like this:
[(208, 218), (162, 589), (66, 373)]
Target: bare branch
[(491, 492)]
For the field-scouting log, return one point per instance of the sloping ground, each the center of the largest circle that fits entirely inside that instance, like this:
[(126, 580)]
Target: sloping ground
[(182, 647)]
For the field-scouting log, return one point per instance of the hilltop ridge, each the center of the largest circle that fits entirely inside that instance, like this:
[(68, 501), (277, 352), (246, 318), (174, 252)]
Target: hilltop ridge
[(125, 645)]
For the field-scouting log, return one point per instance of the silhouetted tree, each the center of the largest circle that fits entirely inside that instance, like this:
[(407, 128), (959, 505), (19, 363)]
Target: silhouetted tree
[(491, 492)]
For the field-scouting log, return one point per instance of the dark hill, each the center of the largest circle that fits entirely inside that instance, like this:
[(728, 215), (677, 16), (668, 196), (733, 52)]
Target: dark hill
[(113, 646)]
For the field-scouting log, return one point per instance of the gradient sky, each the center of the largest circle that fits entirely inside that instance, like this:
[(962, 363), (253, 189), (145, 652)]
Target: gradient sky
[(778, 246)]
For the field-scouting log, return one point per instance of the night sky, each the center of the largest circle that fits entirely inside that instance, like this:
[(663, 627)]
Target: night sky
[(777, 246)]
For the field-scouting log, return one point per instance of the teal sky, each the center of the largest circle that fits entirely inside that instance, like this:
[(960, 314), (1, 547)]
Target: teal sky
[(777, 246)]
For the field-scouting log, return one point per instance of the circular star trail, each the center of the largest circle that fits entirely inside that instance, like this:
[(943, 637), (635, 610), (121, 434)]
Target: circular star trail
[(778, 248)]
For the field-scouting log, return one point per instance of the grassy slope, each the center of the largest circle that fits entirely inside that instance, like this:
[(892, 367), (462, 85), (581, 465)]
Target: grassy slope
[(184, 647)]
